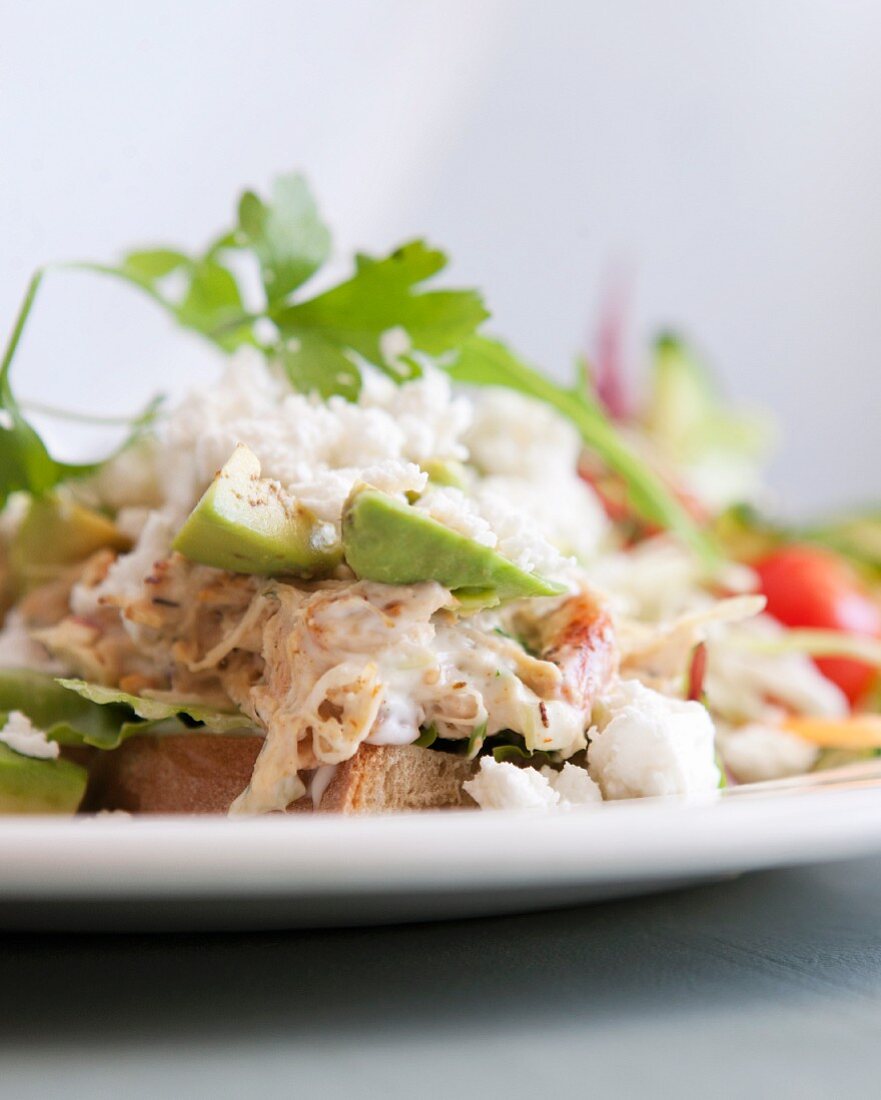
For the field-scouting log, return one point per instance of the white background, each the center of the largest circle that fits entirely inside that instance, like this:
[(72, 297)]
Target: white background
[(724, 156)]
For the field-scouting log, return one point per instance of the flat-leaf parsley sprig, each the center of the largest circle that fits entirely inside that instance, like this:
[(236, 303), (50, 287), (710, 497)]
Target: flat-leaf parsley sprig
[(385, 314)]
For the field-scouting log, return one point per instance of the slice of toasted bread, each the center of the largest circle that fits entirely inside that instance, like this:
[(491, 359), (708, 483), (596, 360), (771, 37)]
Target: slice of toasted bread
[(193, 773), (201, 773), (391, 778)]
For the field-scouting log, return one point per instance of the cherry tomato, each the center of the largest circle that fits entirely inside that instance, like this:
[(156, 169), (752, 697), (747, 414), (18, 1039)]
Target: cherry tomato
[(807, 587)]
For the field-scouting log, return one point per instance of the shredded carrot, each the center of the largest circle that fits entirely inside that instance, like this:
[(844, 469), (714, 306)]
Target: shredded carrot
[(859, 731)]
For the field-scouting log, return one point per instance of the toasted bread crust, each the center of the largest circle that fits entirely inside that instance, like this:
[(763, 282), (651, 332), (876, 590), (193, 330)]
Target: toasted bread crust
[(201, 773), (394, 778), (176, 774)]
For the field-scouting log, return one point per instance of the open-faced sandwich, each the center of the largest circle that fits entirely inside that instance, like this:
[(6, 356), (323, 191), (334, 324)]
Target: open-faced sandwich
[(383, 564)]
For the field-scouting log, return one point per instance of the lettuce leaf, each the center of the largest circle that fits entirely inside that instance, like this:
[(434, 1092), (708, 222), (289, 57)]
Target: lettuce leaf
[(62, 715), (155, 710), (73, 712)]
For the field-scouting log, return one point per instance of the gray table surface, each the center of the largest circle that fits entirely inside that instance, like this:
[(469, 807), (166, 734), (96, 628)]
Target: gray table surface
[(768, 985)]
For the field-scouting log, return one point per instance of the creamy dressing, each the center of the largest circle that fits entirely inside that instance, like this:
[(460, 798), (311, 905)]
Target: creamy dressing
[(356, 661), (321, 780)]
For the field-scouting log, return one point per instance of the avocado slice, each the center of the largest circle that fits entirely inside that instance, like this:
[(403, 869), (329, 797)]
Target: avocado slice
[(386, 540), (244, 524), (446, 471), (29, 785), (58, 531)]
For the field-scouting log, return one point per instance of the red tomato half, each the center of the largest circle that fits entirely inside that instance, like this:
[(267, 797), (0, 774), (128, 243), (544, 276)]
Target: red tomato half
[(808, 587)]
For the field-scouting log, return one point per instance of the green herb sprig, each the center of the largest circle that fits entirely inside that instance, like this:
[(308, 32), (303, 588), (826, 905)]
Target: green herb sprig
[(385, 314), (25, 462)]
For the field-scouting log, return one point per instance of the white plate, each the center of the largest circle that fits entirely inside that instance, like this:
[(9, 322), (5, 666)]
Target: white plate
[(120, 873)]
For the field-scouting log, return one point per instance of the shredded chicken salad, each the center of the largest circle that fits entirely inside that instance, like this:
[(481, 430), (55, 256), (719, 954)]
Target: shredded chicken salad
[(380, 527)]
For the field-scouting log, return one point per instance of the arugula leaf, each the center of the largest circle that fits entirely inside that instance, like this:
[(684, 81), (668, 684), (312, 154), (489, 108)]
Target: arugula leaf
[(383, 295), (427, 737), (155, 710), (513, 754), (475, 741), (25, 462), (287, 234), (485, 362)]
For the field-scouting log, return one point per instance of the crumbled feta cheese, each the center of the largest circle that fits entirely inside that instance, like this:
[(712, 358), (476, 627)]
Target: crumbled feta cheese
[(565, 510), (507, 787), (516, 436), (24, 738), (528, 456), (297, 437), (325, 493), (500, 786), (573, 785), (757, 752), (454, 509), (652, 745)]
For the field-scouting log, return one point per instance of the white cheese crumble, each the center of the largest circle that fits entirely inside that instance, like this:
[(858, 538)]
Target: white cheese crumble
[(652, 745), (24, 738), (528, 456), (501, 786), (298, 437), (755, 753)]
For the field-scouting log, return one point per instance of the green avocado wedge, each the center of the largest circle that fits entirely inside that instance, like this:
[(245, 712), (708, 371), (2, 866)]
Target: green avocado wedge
[(245, 525), (33, 786), (57, 531), (387, 540)]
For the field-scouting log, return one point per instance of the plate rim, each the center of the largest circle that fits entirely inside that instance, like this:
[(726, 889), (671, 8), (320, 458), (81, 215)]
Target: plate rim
[(172, 857)]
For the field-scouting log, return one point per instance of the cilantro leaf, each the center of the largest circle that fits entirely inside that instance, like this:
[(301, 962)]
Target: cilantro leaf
[(384, 295), (484, 362), (287, 234)]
